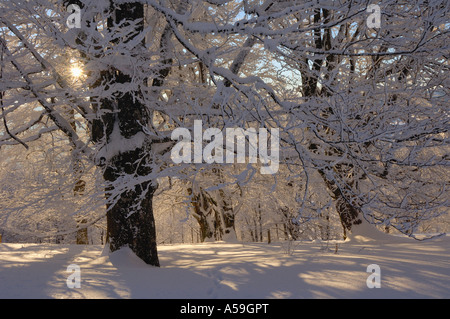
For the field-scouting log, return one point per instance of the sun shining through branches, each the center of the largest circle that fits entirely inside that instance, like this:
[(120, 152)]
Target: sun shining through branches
[(357, 97), (76, 72)]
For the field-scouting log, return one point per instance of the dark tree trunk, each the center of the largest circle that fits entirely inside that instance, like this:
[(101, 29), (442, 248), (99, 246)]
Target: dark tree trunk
[(79, 188), (82, 233), (346, 206), (226, 216), (130, 220), (348, 211), (290, 227), (204, 206), (215, 218)]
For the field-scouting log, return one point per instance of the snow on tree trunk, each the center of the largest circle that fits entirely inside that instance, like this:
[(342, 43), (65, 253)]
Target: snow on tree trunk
[(367, 107), (347, 210), (338, 178), (214, 216), (130, 220), (82, 233)]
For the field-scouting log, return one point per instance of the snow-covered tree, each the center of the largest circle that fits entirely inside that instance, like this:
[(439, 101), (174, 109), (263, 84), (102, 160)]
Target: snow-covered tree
[(361, 107)]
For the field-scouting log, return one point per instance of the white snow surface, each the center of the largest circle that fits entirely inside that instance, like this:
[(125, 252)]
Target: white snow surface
[(409, 269)]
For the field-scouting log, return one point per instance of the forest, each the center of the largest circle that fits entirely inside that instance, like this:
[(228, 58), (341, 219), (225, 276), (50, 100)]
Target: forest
[(346, 100)]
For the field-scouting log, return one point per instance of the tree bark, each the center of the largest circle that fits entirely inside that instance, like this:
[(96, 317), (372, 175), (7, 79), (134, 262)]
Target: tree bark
[(215, 217), (203, 205), (130, 220), (348, 211), (346, 206)]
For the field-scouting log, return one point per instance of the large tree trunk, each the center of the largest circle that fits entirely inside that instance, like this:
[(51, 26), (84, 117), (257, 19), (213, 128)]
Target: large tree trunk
[(345, 202), (347, 209), (215, 217), (130, 220), (205, 212), (225, 226)]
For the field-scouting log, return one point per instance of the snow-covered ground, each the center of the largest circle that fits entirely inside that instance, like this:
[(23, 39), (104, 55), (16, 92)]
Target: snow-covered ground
[(409, 269)]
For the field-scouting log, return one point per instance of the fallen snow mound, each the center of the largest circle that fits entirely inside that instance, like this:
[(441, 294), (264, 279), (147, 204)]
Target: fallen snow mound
[(365, 232)]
